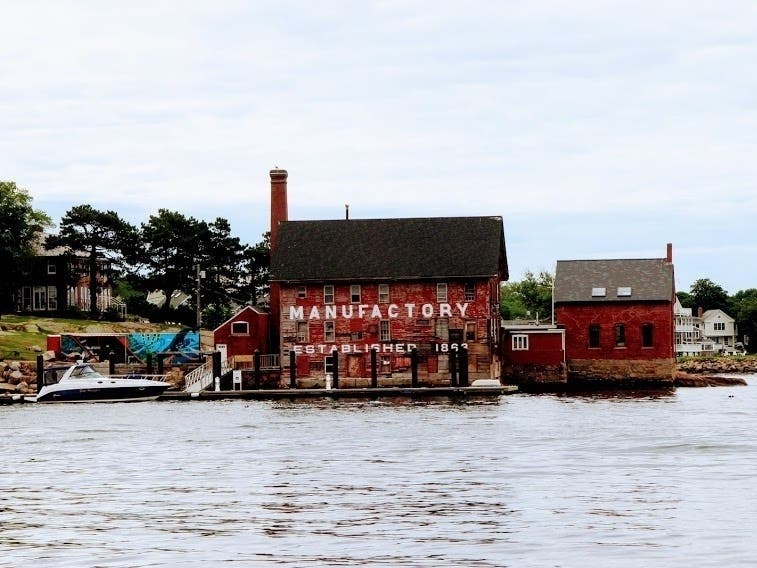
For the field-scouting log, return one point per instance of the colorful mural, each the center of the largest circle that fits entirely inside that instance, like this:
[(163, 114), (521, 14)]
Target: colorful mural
[(176, 348)]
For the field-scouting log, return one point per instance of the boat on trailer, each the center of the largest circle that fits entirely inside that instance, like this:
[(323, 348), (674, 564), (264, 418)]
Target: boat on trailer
[(81, 382)]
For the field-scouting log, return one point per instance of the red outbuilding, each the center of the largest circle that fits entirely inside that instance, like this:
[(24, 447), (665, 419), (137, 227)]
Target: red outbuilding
[(618, 318), (533, 354), (242, 334)]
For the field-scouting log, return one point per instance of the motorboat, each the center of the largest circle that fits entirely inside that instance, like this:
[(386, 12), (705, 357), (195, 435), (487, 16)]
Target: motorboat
[(81, 382)]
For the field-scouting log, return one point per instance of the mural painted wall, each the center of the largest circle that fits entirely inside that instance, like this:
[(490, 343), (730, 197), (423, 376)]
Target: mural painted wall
[(178, 348)]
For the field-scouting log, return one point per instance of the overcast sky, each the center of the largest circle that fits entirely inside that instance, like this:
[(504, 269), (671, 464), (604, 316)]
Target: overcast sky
[(595, 129)]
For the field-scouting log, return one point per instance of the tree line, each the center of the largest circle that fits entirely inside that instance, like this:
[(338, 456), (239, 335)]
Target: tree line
[(166, 253), (531, 298)]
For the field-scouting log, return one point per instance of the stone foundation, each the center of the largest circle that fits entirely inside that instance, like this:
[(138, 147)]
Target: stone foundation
[(622, 372), (535, 375)]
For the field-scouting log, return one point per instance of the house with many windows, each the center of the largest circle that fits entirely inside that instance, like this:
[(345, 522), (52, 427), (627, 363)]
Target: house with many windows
[(720, 328), (618, 318), (56, 282), (390, 285)]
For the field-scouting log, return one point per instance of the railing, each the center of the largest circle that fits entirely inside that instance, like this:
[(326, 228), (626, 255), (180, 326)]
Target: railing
[(269, 362), (202, 377)]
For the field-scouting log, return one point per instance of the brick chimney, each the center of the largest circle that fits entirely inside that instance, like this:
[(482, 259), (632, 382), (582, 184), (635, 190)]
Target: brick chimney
[(669, 255), (279, 210)]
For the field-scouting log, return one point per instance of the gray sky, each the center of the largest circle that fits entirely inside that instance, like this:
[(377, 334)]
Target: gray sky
[(595, 129)]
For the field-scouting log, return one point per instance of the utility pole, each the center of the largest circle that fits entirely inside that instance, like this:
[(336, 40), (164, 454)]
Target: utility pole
[(200, 274)]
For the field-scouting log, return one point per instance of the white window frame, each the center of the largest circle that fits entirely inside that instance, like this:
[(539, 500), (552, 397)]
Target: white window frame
[(441, 292), (302, 292), (329, 331), (520, 342), (52, 297), (328, 294), (385, 330), (355, 292), (240, 323), (52, 268), (303, 337), (383, 293), (470, 291)]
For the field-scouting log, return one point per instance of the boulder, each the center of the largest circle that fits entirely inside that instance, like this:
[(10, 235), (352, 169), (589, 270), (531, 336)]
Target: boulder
[(23, 387), (5, 387)]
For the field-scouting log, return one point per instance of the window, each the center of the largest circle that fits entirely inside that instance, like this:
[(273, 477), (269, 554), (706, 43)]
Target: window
[(441, 292), (719, 326), (620, 335), (52, 297), (624, 291), (647, 335), (594, 336), (470, 291), (52, 269), (328, 331), (383, 291), (328, 294), (240, 328), (598, 292), (355, 293), (302, 332), (442, 329), (385, 330), (302, 292), (520, 342), (40, 298), (470, 331)]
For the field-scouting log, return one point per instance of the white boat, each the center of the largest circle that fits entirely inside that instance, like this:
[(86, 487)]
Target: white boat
[(80, 382)]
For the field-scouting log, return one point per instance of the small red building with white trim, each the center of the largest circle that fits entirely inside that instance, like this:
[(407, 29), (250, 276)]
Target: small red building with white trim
[(243, 333)]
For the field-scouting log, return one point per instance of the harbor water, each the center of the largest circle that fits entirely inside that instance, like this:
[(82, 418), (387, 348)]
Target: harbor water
[(631, 479)]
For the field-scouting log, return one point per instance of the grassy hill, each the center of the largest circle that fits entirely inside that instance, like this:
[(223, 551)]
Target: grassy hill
[(22, 337)]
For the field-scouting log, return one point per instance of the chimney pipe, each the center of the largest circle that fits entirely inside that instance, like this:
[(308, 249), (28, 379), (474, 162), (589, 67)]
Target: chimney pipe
[(347, 211), (669, 256), (279, 210)]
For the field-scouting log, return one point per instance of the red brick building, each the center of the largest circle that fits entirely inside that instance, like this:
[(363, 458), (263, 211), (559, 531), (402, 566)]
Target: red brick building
[(391, 284), (618, 318)]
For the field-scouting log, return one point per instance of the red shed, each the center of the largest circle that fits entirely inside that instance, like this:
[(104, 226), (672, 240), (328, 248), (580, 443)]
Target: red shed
[(533, 353), (243, 333), (618, 318)]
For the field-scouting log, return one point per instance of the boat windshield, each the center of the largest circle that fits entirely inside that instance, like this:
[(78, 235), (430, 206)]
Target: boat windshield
[(84, 372)]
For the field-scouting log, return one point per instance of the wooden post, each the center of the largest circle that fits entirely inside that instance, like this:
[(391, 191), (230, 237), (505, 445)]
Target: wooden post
[(335, 365), (374, 369), (40, 373), (452, 368), (256, 369), (217, 364), (111, 363), (292, 370), (149, 364), (463, 367), (414, 368), (160, 363)]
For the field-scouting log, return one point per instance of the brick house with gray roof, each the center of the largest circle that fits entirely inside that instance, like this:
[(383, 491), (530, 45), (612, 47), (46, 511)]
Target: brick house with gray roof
[(618, 318), (391, 284)]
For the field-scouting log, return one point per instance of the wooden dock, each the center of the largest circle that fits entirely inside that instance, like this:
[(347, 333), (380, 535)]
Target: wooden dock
[(454, 393), (345, 393)]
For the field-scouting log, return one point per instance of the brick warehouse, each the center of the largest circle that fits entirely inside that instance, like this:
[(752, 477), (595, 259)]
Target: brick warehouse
[(391, 284), (618, 318)]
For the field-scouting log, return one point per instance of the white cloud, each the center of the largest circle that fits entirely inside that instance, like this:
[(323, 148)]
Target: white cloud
[(538, 110)]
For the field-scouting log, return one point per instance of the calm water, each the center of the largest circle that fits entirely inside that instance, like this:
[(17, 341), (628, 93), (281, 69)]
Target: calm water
[(666, 479)]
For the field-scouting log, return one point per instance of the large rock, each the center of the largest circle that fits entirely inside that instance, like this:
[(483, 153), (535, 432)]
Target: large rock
[(5, 387)]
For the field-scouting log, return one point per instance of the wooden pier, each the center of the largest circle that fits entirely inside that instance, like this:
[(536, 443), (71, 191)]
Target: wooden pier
[(455, 393)]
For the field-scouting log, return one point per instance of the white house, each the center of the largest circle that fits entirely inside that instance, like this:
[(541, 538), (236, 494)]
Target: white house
[(721, 329)]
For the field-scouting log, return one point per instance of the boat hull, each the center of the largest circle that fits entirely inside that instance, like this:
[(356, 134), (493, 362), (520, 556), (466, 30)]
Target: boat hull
[(107, 394)]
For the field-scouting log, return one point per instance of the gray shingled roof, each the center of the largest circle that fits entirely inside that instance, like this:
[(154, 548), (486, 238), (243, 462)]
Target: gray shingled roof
[(649, 280), (398, 249)]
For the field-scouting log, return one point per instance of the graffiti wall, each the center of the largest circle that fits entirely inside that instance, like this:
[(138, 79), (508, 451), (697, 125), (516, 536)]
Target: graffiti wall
[(175, 348)]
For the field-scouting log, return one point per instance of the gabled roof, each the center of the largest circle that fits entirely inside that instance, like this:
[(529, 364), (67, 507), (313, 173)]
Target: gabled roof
[(583, 280), (397, 249), (239, 312), (711, 315)]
